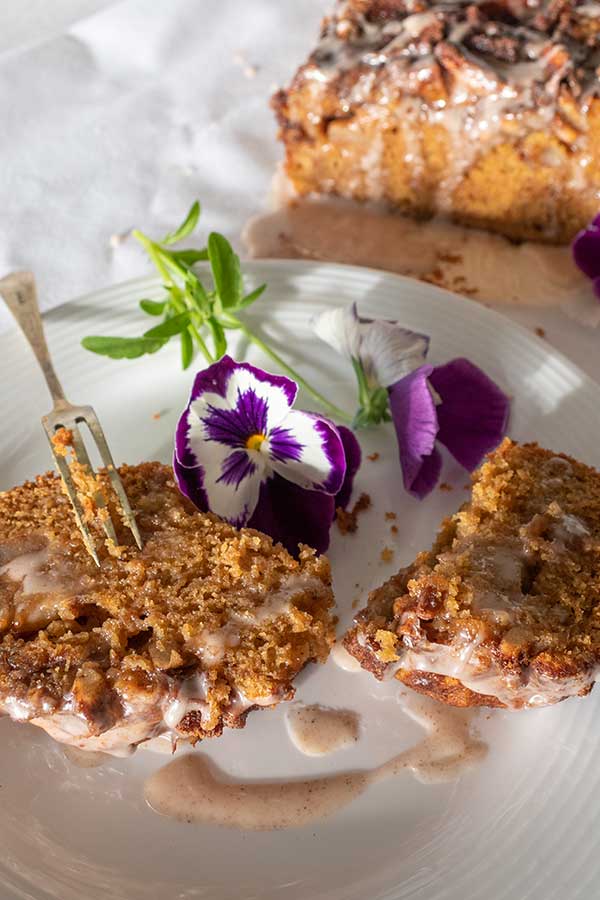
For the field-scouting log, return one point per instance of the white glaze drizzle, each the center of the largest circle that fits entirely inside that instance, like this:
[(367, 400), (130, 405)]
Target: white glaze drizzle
[(189, 790), (340, 656), (318, 730)]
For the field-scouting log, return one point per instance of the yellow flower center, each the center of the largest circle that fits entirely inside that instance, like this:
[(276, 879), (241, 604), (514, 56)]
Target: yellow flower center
[(255, 440)]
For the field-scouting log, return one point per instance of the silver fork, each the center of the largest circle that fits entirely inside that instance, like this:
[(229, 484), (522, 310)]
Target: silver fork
[(19, 292)]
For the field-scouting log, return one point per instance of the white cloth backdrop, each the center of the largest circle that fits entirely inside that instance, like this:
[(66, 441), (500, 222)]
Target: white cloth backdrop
[(133, 112), (127, 118)]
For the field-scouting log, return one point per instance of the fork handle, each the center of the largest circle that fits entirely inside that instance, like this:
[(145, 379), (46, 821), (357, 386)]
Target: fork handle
[(18, 290)]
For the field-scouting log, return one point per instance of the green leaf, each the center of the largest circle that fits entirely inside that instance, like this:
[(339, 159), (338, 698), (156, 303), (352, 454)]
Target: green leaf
[(197, 293), (153, 307), (219, 338), (250, 298), (169, 327), (226, 271), (189, 257), (186, 227), (122, 348), (187, 349), (176, 302)]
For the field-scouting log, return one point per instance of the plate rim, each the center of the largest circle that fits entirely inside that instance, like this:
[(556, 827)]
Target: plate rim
[(439, 294)]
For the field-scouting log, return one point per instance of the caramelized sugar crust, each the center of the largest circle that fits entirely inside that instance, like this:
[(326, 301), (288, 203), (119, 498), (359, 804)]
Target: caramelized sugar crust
[(204, 624), (485, 112), (504, 610)]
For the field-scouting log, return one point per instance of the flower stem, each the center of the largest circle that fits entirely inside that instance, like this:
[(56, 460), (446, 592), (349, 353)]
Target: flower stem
[(202, 344), (330, 407), (155, 254), (151, 249)]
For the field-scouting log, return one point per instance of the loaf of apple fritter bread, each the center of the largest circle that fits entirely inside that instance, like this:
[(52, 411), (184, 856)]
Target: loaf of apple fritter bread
[(504, 610), (485, 112)]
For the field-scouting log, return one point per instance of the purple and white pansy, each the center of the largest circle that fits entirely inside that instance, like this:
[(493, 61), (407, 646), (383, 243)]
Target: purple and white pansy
[(586, 253), (381, 352), (244, 453), (456, 404)]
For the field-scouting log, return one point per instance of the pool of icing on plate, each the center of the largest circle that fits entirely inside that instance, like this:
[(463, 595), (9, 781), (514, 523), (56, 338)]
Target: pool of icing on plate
[(191, 789), (316, 730), (468, 261)]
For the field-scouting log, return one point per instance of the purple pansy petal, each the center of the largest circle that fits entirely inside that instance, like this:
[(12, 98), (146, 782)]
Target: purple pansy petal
[(415, 420), (292, 515), (586, 249), (353, 456), (428, 474), (320, 464), (183, 453), (596, 284), (189, 481), (214, 379), (473, 414)]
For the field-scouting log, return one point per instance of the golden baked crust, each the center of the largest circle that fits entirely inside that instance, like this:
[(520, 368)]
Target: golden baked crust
[(487, 112), (205, 623), (504, 610)]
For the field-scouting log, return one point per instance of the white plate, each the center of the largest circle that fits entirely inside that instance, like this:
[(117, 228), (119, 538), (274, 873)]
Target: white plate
[(522, 825)]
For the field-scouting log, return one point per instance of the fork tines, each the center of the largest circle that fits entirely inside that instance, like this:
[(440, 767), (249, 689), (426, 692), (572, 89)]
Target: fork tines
[(69, 418)]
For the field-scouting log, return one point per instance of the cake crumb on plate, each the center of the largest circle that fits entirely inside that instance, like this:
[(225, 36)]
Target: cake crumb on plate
[(347, 520)]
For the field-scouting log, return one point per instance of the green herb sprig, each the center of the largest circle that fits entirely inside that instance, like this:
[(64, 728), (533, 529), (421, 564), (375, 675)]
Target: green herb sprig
[(201, 316)]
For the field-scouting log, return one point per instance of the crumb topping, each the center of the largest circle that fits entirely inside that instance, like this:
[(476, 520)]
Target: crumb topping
[(201, 597), (505, 608)]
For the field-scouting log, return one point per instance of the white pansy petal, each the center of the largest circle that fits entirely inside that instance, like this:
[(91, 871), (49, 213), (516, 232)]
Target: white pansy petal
[(223, 479), (340, 329), (191, 429), (200, 407), (307, 451), (232, 483), (389, 352), (231, 480), (265, 402)]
